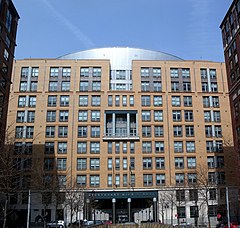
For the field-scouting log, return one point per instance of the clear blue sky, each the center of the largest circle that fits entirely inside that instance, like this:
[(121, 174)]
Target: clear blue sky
[(185, 28)]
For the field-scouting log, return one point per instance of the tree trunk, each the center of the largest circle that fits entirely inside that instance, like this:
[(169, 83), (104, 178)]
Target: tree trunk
[(5, 213)]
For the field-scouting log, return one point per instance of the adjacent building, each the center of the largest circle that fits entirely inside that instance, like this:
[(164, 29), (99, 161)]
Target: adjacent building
[(8, 29), (231, 44), (132, 130)]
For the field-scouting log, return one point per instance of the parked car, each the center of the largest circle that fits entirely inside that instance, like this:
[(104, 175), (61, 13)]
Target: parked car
[(57, 223)]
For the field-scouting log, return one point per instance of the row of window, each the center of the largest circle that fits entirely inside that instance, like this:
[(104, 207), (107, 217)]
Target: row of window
[(208, 101)]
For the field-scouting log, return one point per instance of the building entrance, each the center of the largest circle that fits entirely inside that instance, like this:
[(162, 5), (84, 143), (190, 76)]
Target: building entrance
[(122, 206)]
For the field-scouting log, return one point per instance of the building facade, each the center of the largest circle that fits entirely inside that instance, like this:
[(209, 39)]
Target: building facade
[(8, 29), (231, 44), (133, 130)]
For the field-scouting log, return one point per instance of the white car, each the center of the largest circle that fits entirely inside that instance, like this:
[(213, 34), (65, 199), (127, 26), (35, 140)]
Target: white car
[(56, 224)]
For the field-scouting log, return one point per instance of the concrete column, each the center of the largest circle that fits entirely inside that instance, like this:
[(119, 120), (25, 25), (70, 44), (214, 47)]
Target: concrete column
[(113, 124), (155, 209), (113, 210), (129, 209), (128, 124)]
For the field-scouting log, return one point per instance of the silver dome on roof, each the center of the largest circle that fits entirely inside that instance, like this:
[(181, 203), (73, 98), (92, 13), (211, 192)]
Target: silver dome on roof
[(120, 57)]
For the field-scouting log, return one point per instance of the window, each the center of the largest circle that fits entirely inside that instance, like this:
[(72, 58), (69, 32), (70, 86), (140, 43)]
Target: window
[(31, 116), (21, 101), (144, 72), (194, 212), (8, 22), (214, 87), (66, 71), (110, 164), (175, 86), (157, 86), (94, 163), (81, 147), (96, 100), (120, 75), (215, 102), (84, 72), (212, 210), (23, 86), (211, 163), (145, 86), (191, 162), (124, 100), (95, 116), (83, 116), (147, 180), (176, 101), (193, 194), (179, 177), (131, 100), (187, 100), (132, 147), (189, 131), (218, 131), (82, 131), (51, 116), (48, 163), (158, 116), (63, 116), (190, 146), (124, 147), (117, 180), (96, 86), (159, 147), (81, 180), (62, 147), (29, 132), (206, 102), (174, 72), (203, 73), (54, 71), (213, 74), (157, 101), (160, 163), (132, 163), (177, 131), (95, 131), (188, 115), (146, 147), (50, 131), (65, 86), (156, 72), (64, 100), (187, 86), (145, 100), (62, 131), (216, 116), (160, 179), (212, 194), (179, 163), (220, 161), (24, 72), (180, 195), (117, 163), (33, 86), (208, 131), (178, 146), (110, 147), (20, 116), (97, 71), (146, 116), (49, 147), (117, 100), (186, 73), (204, 87), (110, 100), (207, 116), (53, 86), (61, 163), (83, 100), (117, 148), (158, 131), (176, 115), (52, 101), (110, 181), (83, 86), (32, 101), (147, 163), (125, 163), (95, 147)]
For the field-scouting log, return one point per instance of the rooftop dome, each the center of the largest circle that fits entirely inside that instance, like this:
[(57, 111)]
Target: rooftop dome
[(121, 57)]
